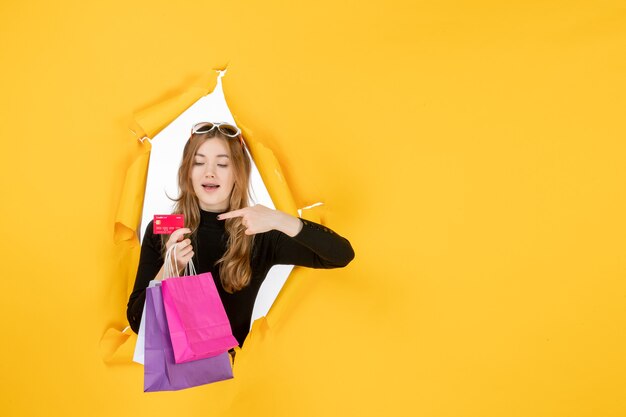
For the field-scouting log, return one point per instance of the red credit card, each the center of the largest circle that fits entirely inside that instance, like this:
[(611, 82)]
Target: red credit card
[(167, 223)]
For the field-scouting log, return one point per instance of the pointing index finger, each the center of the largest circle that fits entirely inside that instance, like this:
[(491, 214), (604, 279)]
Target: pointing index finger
[(231, 214)]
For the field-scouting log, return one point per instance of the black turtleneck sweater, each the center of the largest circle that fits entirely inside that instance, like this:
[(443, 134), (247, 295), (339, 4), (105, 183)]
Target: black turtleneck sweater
[(314, 246)]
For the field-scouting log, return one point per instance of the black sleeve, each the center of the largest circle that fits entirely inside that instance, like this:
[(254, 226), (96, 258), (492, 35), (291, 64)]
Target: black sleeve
[(315, 246), (150, 262)]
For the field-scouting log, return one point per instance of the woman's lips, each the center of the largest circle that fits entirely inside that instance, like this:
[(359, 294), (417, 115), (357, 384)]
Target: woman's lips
[(210, 189)]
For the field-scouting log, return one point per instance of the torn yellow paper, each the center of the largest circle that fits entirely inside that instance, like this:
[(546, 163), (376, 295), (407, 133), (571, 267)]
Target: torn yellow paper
[(154, 118), (272, 175), (118, 346), (131, 199)]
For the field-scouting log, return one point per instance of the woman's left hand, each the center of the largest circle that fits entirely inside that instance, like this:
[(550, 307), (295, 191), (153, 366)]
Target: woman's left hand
[(261, 219)]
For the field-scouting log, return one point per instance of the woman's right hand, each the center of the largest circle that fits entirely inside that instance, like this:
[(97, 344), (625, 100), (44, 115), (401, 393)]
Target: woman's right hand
[(184, 250)]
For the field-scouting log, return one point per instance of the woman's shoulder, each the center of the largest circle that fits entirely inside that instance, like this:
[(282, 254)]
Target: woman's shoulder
[(149, 236), (149, 229)]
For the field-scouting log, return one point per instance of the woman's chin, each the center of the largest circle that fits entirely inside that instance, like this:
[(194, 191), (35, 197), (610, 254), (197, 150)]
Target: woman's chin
[(213, 204)]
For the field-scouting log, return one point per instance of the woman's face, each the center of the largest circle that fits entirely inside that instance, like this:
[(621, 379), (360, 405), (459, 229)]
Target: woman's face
[(212, 175)]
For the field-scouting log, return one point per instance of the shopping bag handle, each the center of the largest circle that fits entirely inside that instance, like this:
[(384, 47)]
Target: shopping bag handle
[(168, 268)]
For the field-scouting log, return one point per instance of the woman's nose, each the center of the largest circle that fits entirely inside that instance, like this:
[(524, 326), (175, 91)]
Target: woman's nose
[(209, 172)]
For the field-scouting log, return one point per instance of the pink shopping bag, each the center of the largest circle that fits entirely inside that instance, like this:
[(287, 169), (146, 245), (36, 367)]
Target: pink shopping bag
[(198, 324)]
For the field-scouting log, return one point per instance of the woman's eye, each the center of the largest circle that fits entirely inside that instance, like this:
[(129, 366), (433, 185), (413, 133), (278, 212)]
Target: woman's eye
[(197, 163), (222, 165)]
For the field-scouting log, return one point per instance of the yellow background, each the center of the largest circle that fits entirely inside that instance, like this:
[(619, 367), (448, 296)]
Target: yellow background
[(472, 152)]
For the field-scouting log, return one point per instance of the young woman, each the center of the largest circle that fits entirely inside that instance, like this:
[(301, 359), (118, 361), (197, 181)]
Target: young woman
[(237, 243)]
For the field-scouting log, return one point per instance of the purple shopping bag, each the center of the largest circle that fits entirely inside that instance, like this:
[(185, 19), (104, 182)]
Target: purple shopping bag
[(161, 373), (198, 325)]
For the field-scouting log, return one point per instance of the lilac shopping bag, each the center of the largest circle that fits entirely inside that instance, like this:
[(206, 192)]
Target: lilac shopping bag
[(198, 324), (161, 373)]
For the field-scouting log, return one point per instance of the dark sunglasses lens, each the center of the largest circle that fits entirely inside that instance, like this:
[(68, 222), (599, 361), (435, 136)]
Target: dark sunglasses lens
[(229, 130), (202, 128)]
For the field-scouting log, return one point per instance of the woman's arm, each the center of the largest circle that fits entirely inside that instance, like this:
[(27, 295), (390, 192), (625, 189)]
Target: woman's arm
[(150, 267), (314, 246), (292, 241)]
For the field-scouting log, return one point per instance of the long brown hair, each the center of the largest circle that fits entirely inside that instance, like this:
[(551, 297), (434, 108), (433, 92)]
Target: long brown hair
[(235, 270)]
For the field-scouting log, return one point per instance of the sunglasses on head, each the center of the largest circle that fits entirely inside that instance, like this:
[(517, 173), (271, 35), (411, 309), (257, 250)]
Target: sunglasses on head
[(225, 129)]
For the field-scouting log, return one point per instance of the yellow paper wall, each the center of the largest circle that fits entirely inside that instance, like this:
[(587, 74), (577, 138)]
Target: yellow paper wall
[(472, 152)]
